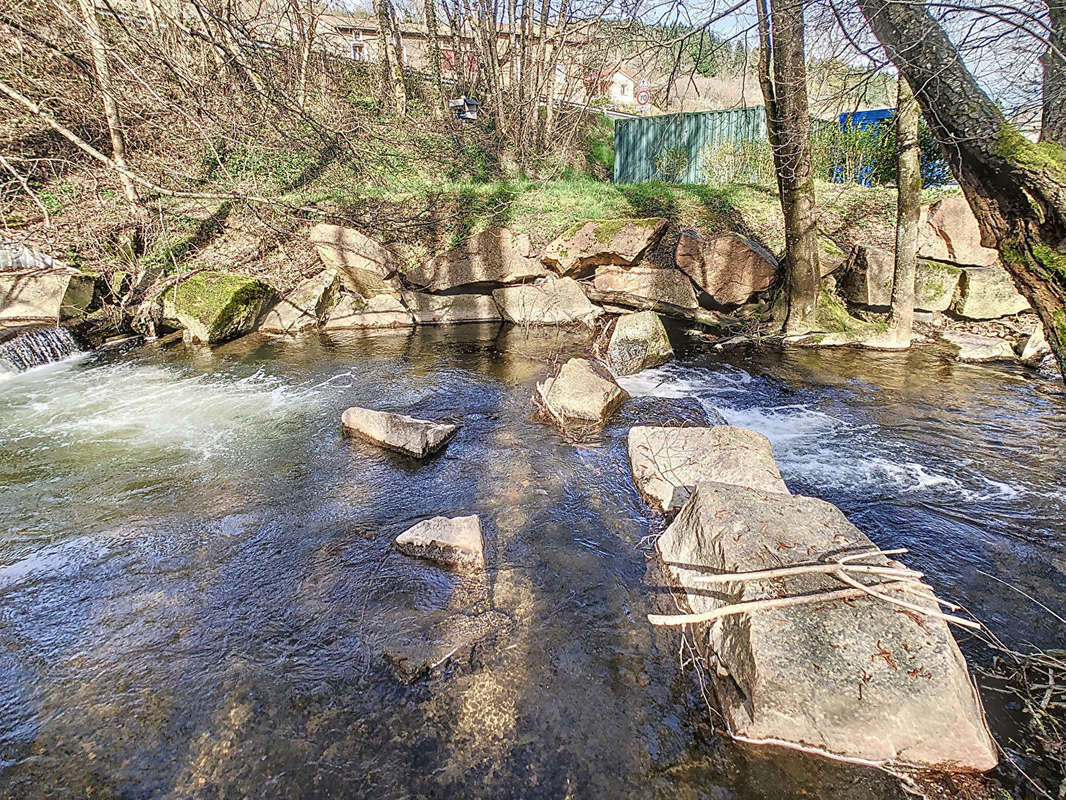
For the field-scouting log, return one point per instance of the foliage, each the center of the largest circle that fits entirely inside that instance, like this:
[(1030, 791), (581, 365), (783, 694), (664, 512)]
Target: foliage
[(672, 163), (742, 161)]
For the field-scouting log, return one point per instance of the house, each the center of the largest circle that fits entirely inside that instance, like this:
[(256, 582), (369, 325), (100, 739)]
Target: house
[(616, 86)]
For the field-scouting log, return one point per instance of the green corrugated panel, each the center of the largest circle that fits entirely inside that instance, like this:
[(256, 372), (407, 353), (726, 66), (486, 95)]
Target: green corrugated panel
[(639, 143)]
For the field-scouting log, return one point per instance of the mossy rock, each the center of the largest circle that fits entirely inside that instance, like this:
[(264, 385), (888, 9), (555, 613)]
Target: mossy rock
[(934, 285), (217, 306)]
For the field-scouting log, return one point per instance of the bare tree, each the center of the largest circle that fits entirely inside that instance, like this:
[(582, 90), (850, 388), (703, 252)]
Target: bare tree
[(908, 210), (783, 77)]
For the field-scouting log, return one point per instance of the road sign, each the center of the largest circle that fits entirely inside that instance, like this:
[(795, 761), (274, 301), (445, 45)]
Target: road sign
[(643, 97)]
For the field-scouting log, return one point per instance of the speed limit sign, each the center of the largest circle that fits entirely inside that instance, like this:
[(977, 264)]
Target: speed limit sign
[(643, 97)]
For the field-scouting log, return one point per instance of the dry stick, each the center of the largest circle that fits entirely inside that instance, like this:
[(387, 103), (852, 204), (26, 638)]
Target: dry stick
[(965, 623), (770, 603), (804, 569)]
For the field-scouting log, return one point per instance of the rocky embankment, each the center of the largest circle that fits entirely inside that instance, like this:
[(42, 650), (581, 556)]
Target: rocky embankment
[(965, 299)]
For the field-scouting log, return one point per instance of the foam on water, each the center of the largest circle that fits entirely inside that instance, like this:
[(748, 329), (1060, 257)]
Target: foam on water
[(815, 449)]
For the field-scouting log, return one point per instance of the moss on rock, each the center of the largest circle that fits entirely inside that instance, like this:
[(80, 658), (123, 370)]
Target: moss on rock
[(216, 306)]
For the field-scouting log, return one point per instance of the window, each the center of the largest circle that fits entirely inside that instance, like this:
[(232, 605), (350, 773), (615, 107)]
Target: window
[(358, 51)]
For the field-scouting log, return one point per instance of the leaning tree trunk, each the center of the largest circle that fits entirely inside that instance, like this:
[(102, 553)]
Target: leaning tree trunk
[(1053, 123), (908, 209), (111, 113), (788, 121), (1017, 189)]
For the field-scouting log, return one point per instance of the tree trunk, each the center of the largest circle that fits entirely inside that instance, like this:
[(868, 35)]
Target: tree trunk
[(111, 113), (783, 77), (908, 209), (388, 88), (1017, 189), (397, 62), (1053, 123)]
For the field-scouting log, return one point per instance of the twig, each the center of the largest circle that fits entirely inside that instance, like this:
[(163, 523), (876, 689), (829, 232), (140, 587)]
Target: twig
[(805, 569), (965, 623)]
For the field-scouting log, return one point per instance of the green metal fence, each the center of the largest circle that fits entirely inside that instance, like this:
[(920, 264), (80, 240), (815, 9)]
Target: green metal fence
[(671, 147)]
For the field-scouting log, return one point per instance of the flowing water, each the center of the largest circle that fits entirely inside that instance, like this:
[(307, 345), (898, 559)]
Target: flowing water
[(197, 585), (25, 348)]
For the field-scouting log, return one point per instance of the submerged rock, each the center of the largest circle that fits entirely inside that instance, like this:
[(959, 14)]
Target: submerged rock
[(580, 396), (414, 437), (987, 294), (493, 257), (414, 655), (451, 309), (730, 267), (304, 307), (669, 412), (948, 231), (974, 348), (455, 541), (594, 242), (216, 306), (554, 302), (856, 679), (668, 462), (353, 312), (640, 285), (634, 342), (363, 264)]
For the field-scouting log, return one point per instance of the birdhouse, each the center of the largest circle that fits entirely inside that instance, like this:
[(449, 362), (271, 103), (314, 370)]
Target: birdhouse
[(464, 108)]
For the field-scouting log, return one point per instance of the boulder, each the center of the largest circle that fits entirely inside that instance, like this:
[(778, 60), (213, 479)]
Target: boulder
[(634, 342), (411, 655), (591, 243), (353, 312), (50, 295), (304, 307), (948, 231), (935, 285), (557, 301), (398, 432), (668, 462), (974, 348), (987, 293), (490, 258), (1036, 347), (868, 278), (830, 256), (730, 267), (216, 306), (451, 309), (644, 284), (454, 541), (580, 396), (858, 678), (363, 265)]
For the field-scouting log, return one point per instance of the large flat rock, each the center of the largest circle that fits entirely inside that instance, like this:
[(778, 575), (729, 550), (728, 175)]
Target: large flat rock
[(641, 286), (398, 432), (948, 231), (455, 541), (490, 258), (591, 243), (451, 309), (552, 302), (304, 307), (354, 312), (987, 293), (869, 275), (729, 267), (857, 679), (667, 462), (364, 265), (44, 294), (974, 348)]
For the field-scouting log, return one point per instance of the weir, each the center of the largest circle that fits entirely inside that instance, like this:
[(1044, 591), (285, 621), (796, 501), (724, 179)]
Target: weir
[(23, 348)]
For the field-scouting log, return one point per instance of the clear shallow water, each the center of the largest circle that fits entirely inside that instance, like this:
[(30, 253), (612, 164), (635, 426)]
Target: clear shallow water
[(196, 582)]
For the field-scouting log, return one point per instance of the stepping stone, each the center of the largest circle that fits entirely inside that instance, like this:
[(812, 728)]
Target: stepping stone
[(454, 541), (398, 432)]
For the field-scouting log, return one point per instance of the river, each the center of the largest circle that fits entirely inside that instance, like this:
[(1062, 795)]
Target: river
[(197, 584)]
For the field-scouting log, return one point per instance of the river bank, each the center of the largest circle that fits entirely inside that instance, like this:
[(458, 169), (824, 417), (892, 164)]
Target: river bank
[(199, 580)]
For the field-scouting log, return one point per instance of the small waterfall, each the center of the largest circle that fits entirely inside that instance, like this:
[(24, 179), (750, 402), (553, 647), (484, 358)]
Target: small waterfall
[(36, 346)]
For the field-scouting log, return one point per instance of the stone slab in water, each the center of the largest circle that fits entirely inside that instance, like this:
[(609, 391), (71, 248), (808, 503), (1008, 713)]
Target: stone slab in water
[(635, 342), (974, 348), (451, 309), (455, 541), (857, 679), (363, 264), (414, 437), (668, 462), (44, 295), (354, 312), (413, 655), (553, 302)]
